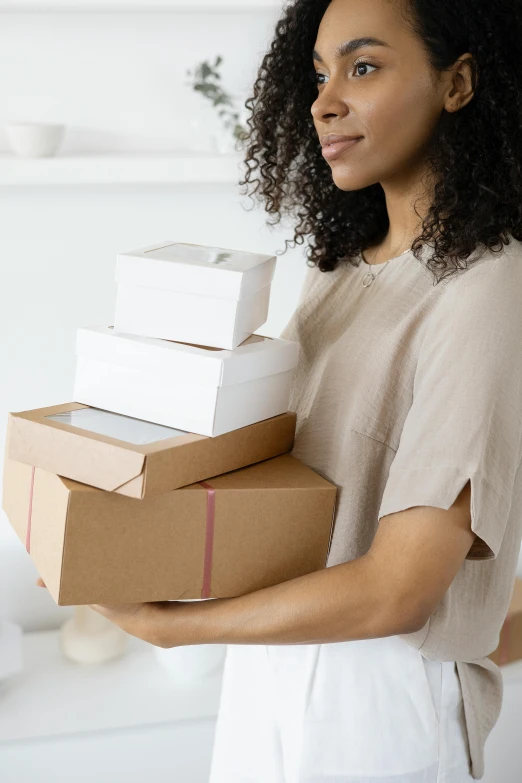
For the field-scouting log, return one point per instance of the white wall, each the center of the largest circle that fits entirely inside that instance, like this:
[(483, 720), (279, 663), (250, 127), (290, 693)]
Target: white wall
[(118, 79)]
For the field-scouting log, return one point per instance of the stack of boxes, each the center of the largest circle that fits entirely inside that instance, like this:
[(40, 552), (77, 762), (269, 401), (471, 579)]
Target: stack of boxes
[(169, 477)]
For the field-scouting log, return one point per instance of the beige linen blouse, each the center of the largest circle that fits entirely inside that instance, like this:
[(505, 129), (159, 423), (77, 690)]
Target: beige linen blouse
[(405, 390)]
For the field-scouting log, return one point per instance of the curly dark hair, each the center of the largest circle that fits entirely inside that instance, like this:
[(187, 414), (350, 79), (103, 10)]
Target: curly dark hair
[(476, 152)]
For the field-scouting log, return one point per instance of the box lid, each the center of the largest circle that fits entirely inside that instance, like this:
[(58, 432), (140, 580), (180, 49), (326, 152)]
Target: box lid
[(110, 451), (256, 357), (282, 472), (196, 269)]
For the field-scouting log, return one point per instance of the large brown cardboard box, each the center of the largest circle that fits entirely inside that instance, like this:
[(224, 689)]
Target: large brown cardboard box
[(58, 439), (510, 645), (235, 533)]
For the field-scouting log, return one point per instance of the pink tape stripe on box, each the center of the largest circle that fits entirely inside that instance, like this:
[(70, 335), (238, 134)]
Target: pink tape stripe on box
[(209, 538)]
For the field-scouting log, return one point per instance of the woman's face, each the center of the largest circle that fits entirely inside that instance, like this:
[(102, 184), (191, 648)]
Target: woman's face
[(386, 94)]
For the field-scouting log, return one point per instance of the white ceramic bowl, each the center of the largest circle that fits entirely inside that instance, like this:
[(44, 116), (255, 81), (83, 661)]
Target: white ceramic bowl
[(34, 139), (186, 665)]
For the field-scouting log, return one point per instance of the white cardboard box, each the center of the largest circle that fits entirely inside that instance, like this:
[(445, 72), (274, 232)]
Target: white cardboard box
[(199, 389), (193, 293)]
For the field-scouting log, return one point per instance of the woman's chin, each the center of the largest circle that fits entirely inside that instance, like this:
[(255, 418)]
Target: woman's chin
[(347, 180)]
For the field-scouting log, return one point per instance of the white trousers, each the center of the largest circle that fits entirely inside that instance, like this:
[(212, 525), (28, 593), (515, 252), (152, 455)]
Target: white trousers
[(366, 711)]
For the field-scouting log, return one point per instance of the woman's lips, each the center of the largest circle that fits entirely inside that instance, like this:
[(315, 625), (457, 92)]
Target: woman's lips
[(332, 151)]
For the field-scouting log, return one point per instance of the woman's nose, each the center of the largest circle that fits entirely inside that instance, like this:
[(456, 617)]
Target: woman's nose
[(328, 104)]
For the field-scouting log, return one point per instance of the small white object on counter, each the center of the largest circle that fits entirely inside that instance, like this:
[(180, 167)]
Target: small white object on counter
[(90, 637), (193, 388), (209, 296), (34, 139), (187, 665)]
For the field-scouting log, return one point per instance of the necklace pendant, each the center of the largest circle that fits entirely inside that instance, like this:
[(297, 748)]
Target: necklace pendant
[(370, 280)]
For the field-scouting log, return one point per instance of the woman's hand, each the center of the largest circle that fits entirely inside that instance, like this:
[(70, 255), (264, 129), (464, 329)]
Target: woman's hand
[(150, 621)]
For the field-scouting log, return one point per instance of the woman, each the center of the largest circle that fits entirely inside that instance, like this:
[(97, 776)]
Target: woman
[(408, 392), (436, 109), (408, 397)]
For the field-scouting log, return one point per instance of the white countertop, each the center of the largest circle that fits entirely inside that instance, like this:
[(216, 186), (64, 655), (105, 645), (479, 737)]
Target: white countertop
[(54, 696)]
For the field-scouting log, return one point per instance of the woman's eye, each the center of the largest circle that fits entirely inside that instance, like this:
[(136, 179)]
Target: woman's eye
[(363, 64), (315, 76)]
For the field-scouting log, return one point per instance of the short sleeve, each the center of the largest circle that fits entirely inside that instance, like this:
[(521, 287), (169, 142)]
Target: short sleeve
[(465, 420)]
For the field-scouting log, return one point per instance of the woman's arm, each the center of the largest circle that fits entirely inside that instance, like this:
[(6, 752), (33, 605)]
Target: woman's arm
[(393, 589), (331, 605)]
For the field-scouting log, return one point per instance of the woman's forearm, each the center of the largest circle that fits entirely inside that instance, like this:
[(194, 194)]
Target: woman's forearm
[(340, 603)]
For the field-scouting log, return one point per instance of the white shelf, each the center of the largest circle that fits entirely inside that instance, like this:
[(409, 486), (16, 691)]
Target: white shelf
[(139, 5), (182, 167), (53, 696)]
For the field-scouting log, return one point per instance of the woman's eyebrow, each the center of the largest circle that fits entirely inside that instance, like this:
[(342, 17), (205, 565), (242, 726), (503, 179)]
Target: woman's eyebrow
[(350, 46)]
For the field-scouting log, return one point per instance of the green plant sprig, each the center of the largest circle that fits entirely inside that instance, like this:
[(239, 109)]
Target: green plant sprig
[(205, 79)]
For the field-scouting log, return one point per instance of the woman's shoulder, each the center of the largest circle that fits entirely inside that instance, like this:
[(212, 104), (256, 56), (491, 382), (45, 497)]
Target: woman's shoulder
[(486, 297), (487, 263), (489, 275)]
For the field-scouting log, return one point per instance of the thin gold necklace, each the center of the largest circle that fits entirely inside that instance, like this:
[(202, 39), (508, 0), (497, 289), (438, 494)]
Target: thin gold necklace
[(370, 274)]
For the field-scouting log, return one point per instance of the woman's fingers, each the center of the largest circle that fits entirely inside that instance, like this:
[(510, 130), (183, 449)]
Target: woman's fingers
[(40, 582)]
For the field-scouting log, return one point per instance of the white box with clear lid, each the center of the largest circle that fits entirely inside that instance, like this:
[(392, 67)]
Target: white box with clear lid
[(193, 293)]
